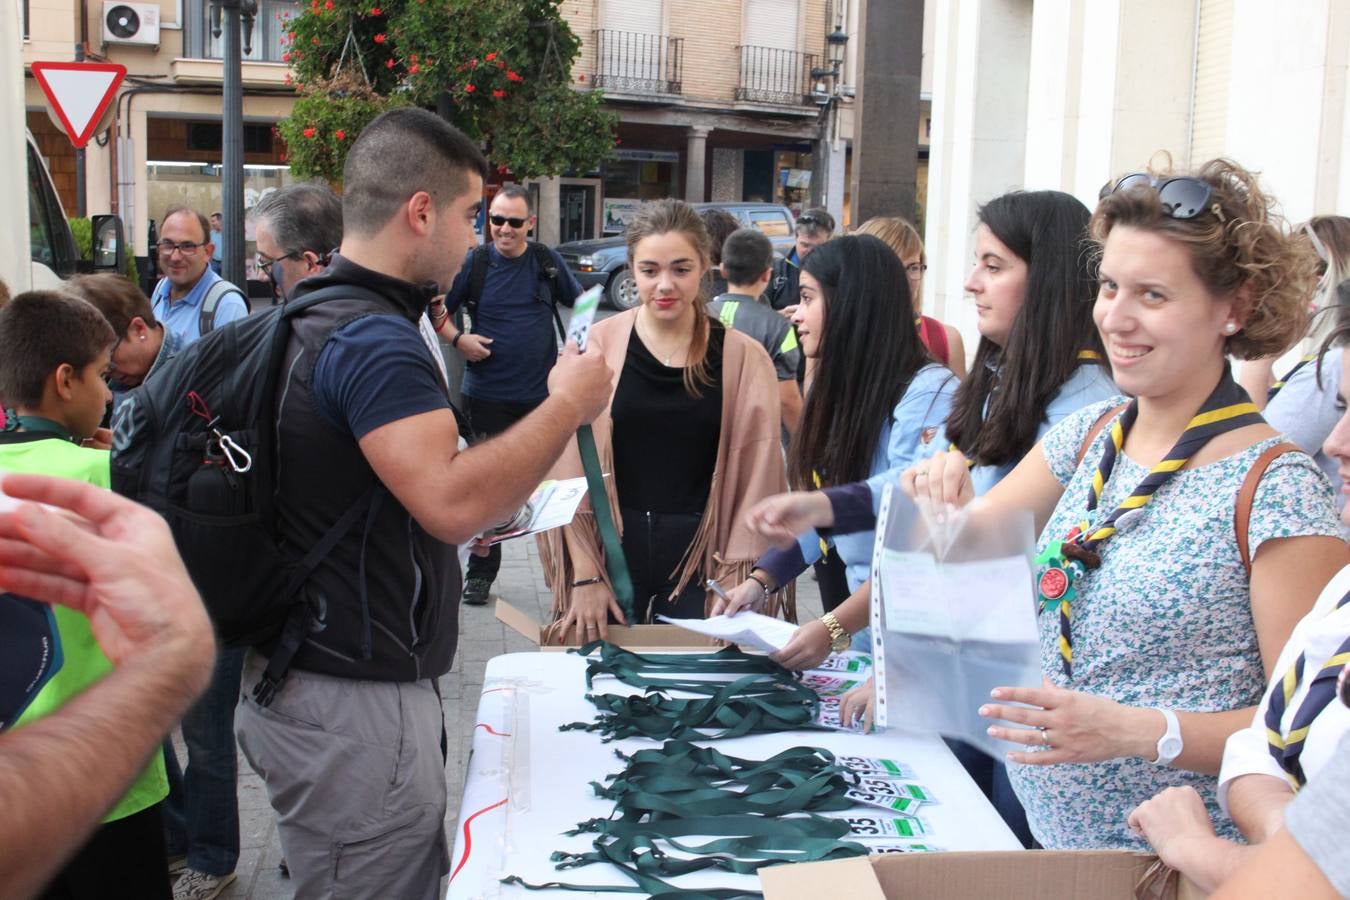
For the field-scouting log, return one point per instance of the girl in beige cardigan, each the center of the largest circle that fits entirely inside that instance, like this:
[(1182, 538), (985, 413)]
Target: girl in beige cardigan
[(695, 409)]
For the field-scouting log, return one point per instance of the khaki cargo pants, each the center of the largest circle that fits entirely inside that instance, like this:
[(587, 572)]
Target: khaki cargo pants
[(355, 774)]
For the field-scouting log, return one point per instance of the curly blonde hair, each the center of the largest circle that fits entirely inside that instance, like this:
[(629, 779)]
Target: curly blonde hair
[(1239, 246)]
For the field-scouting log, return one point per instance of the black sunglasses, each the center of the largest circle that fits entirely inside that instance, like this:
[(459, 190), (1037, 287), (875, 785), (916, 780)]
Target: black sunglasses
[(499, 221), (812, 220), (1182, 197)]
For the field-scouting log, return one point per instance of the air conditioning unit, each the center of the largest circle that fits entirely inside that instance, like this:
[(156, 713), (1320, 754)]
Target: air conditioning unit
[(130, 23)]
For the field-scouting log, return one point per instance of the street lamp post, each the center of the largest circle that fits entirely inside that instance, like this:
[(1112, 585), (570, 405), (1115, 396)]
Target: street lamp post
[(231, 17), (825, 91)]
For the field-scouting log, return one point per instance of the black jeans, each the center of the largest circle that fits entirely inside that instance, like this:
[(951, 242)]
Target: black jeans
[(490, 418), (124, 858), (654, 545), (832, 579)]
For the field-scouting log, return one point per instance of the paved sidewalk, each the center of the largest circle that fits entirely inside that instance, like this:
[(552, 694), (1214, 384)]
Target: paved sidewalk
[(481, 637)]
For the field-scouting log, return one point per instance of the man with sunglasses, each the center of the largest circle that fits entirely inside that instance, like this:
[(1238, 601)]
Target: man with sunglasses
[(511, 289), (191, 299), (815, 226)]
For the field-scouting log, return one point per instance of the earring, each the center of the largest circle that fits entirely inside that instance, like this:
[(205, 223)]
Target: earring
[(1230, 328), (142, 337)]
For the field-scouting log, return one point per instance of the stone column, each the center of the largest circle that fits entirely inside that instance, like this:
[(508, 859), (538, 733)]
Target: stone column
[(886, 142), (549, 229), (696, 164)]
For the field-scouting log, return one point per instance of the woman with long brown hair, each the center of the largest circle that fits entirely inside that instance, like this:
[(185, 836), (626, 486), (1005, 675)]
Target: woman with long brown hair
[(691, 436)]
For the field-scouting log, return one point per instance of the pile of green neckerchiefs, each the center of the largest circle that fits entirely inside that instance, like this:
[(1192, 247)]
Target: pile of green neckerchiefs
[(682, 808), (736, 694)]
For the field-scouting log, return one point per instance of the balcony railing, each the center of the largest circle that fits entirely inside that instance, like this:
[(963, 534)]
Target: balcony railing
[(772, 75), (635, 63)]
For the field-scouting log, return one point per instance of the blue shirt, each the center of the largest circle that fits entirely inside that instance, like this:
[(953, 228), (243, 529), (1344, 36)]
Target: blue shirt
[(218, 242), (183, 316), (1087, 385), (907, 437), (374, 371), (1305, 410), (516, 312)]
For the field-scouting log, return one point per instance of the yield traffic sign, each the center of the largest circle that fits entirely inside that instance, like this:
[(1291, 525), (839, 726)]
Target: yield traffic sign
[(79, 94)]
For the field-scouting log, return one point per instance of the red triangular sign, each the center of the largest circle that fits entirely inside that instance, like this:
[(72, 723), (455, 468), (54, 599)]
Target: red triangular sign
[(79, 94)]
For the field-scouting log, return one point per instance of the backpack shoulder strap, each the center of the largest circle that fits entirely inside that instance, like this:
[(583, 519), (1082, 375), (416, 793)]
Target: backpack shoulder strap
[(1096, 429), (1242, 514), (477, 279), (206, 319), (548, 271)]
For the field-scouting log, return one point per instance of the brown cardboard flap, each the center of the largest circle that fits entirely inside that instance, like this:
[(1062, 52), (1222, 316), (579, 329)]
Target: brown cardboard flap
[(1007, 875), (631, 637), (851, 878)]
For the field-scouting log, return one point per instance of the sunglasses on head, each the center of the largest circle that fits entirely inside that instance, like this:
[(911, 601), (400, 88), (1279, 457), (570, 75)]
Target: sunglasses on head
[(1182, 197), (811, 220), (499, 221)]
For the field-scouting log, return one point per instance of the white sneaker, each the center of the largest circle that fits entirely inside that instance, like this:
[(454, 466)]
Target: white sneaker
[(196, 885)]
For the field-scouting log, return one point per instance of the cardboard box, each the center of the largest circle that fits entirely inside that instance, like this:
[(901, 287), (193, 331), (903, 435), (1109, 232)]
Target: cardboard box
[(631, 637), (1006, 875)]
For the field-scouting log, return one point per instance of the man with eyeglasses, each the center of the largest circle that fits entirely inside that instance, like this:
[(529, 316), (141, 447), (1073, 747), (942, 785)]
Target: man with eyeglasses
[(815, 226), (191, 299), (510, 289), (296, 230)]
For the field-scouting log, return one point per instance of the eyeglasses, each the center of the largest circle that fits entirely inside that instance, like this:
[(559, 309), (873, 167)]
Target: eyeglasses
[(812, 222), (265, 264), (914, 270), (187, 248), (1182, 197), (499, 221)]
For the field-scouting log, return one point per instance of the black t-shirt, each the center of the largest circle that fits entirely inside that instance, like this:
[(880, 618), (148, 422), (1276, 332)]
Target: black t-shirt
[(665, 441)]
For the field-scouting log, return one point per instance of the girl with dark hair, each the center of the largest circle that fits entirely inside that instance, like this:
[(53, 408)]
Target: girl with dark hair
[(868, 416), (1039, 357), (691, 435)]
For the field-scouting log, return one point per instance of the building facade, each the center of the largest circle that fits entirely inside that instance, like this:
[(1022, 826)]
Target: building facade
[(1068, 94), (164, 144)]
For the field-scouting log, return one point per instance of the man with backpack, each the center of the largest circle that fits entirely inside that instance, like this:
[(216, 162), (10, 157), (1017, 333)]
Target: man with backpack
[(340, 714), (191, 299), (509, 290)]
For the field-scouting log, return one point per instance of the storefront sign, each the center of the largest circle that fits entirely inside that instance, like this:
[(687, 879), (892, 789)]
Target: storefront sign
[(619, 211), (669, 156)]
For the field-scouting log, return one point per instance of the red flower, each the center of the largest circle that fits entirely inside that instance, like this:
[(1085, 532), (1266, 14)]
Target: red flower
[(491, 56), (314, 41), (501, 64), (288, 77), (308, 132), (327, 4), (473, 62), (340, 135), (414, 69), (499, 93), (379, 38), (376, 11), (414, 57), (513, 76), (581, 78), (389, 63), (470, 88), (285, 57), (502, 170)]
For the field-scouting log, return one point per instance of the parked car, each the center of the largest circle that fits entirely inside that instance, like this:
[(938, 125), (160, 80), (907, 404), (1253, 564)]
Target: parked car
[(604, 261)]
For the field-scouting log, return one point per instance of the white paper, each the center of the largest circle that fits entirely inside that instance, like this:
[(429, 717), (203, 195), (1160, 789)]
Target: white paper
[(555, 504), (749, 629), (965, 601)]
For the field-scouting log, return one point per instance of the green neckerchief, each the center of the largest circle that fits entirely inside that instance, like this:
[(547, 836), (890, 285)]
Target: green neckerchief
[(16, 422)]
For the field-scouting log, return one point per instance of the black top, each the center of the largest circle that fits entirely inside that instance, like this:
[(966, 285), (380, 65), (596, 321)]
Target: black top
[(665, 441)]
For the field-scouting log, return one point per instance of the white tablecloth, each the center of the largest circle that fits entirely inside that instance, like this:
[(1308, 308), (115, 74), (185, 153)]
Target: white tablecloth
[(527, 782)]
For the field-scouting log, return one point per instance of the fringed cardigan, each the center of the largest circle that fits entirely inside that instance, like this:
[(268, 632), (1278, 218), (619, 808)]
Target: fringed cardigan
[(749, 468)]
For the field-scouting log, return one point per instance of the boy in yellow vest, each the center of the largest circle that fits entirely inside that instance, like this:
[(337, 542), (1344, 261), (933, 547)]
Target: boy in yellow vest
[(56, 350)]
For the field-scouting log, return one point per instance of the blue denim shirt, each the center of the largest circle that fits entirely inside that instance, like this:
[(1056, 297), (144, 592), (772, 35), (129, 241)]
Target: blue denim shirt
[(1087, 385), (922, 410)]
